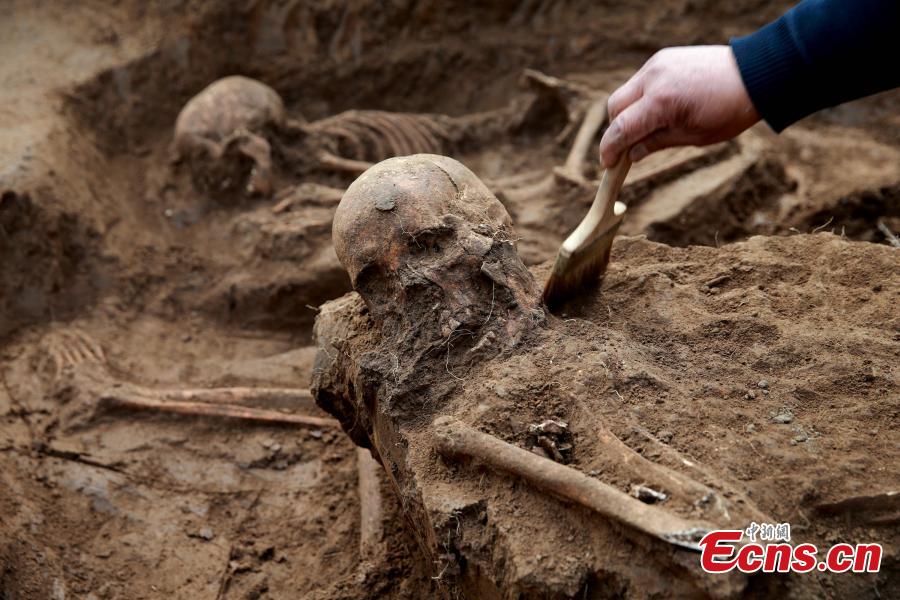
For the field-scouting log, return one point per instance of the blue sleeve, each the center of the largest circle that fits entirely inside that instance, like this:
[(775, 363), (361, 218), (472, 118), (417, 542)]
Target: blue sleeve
[(819, 54)]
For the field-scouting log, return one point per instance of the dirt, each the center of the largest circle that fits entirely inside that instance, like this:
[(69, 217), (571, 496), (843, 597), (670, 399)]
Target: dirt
[(118, 271)]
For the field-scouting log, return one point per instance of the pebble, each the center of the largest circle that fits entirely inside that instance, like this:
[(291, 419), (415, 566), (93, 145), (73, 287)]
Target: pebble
[(750, 396), (665, 436), (316, 433), (800, 437), (751, 428), (783, 418), (501, 391), (205, 533), (763, 384), (648, 495)]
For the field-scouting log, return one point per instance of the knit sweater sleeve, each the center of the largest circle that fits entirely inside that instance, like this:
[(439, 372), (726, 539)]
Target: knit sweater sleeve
[(821, 53)]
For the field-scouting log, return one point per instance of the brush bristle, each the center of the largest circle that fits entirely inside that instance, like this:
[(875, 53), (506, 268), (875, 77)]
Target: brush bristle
[(572, 274)]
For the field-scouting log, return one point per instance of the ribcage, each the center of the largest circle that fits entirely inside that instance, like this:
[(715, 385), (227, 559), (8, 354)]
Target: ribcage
[(373, 135)]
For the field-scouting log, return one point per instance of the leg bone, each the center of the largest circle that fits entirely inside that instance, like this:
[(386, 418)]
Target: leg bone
[(205, 407)]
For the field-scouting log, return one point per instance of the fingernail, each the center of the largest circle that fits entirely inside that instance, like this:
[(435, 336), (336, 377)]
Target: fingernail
[(639, 152)]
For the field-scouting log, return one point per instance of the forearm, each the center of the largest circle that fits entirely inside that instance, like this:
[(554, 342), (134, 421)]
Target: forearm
[(819, 54)]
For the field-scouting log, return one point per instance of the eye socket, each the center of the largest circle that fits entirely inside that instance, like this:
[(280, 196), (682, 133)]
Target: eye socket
[(364, 278), (432, 240)]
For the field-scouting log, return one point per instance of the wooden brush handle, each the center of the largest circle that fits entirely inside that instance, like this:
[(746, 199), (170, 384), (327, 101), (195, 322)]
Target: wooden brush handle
[(601, 211), (612, 181)]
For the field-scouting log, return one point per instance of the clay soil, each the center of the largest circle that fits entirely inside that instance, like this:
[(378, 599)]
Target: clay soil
[(117, 272)]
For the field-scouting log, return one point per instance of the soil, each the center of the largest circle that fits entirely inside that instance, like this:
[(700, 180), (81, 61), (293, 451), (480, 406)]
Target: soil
[(118, 271)]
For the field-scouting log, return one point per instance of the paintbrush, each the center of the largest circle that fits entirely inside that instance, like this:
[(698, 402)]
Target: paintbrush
[(584, 255)]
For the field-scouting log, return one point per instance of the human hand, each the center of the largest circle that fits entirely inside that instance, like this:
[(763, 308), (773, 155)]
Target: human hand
[(692, 95)]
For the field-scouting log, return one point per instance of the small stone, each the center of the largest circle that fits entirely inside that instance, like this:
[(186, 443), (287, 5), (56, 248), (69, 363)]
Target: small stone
[(205, 533), (316, 433), (665, 436), (762, 384), (801, 437), (385, 203), (783, 418), (750, 396), (648, 495), (751, 428), (550, 426), (501, 391)]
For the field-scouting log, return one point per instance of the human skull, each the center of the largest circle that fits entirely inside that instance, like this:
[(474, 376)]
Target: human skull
[(421, 234), (222, 129)]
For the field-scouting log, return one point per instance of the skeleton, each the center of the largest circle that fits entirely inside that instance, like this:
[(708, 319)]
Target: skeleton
[(227, 132), (430, 252), (79, 361)]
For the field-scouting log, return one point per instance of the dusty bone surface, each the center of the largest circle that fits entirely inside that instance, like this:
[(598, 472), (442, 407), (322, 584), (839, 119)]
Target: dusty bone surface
[(687, 374), (224, 126)]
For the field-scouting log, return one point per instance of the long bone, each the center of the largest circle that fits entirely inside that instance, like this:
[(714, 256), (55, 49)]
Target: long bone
[(207, 403), (455, 439), (573, 168)]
